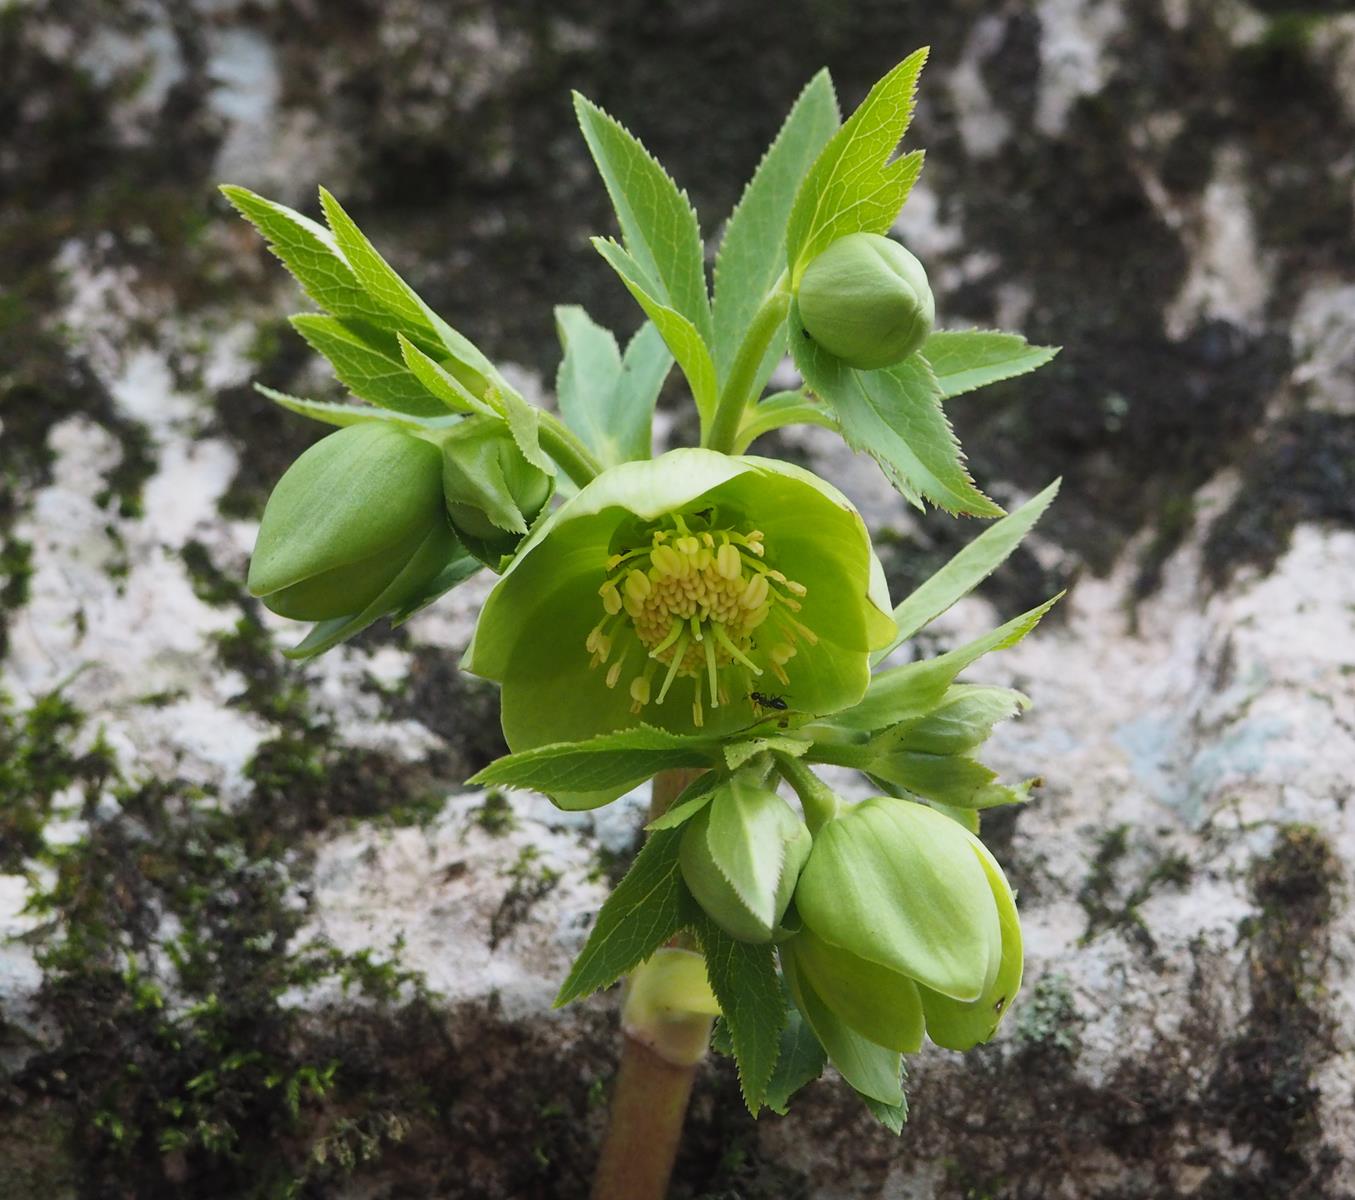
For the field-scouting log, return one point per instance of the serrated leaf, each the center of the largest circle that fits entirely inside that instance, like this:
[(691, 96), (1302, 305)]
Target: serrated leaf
[(658, 224), (341, 415), (963, 720), (853, 187), (801, 1061), (963, 360), (611, 760), (683, 338), (453, 394), (892, 1116), (695, 796), (607, 398), (970, 567), (914, 690), (524, 423), (376, 275), (308, 250), (753, 250), (895, 416), (744, 980), (644, 910), (367, 363), (953, 779)]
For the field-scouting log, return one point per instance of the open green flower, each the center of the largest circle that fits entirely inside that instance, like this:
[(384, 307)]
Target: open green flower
[(908, 922), (668, 591)]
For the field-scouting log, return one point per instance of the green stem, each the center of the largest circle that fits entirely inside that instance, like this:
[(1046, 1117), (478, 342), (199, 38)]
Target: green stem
[(649, 1101), (564, 446), (820, 802), (738, 390)]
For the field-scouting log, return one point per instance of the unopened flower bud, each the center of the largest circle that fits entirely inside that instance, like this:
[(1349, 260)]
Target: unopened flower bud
[(493, 493), (866, 300), (741, 856), (358, 520)]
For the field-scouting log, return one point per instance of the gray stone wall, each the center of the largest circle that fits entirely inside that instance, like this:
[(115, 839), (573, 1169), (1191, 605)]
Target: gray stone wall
[(255, 937)]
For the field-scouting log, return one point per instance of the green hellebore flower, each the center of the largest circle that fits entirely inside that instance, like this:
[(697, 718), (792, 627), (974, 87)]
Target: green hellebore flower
[(866, 299), (668, 590), (493, 493), (908, 920), (355, 528), (741, 855)]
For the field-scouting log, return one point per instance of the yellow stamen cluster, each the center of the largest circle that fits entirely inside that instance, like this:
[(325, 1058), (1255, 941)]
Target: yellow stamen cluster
[(692, 603)]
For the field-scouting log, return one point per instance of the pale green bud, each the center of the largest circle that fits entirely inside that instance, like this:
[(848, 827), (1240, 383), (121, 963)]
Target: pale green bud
[(493, 493), (866, 300), (358, 518), (741, 856)]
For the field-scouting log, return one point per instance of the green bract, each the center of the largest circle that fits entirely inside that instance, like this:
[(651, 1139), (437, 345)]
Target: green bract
[(668, 592), (355, 528), (741, 855), (909, 918), (493, 493), (866, 300)]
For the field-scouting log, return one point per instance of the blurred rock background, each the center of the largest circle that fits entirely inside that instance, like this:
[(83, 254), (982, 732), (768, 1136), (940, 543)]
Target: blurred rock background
[(256, 940)]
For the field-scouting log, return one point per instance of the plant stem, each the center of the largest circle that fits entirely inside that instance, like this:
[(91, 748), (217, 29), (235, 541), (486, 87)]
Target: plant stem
[(819, 801), (563, 445), (648, 1107), (649, 1101), (737, 392)]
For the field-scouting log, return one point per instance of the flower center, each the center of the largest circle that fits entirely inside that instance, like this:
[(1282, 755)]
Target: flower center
[(696, 604)]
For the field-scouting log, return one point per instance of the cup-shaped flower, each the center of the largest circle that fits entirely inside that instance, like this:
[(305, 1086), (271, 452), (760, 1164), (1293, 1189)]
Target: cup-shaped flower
[(667, 591), (493, 493), (908, 920), (867, 300), (741, 856), (357, 525)]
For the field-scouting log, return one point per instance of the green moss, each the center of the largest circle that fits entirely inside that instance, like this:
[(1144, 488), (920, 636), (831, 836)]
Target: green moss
[(1108, 906), (1047, 1018), (210, 584), (495, 815), (531, 882), (40, 756)]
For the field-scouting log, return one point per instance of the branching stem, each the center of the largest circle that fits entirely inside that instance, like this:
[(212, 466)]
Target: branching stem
[(564, 446)]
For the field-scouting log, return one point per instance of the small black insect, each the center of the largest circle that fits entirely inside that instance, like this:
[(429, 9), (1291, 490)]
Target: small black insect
[(774, 702), (997, 1008)]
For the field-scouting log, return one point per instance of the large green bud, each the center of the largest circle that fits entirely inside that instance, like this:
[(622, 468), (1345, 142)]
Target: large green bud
[(357, 525), (866, 300), (909, 920), (741, 856), (493, 493)]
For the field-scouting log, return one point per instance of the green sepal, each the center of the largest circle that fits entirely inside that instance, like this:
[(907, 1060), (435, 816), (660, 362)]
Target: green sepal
[(961, 1026), (871, 1069), (405, 593), (880, 1004), (897, 884)]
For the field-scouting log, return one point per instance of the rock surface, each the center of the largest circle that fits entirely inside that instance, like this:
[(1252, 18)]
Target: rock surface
[(256, 939)]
